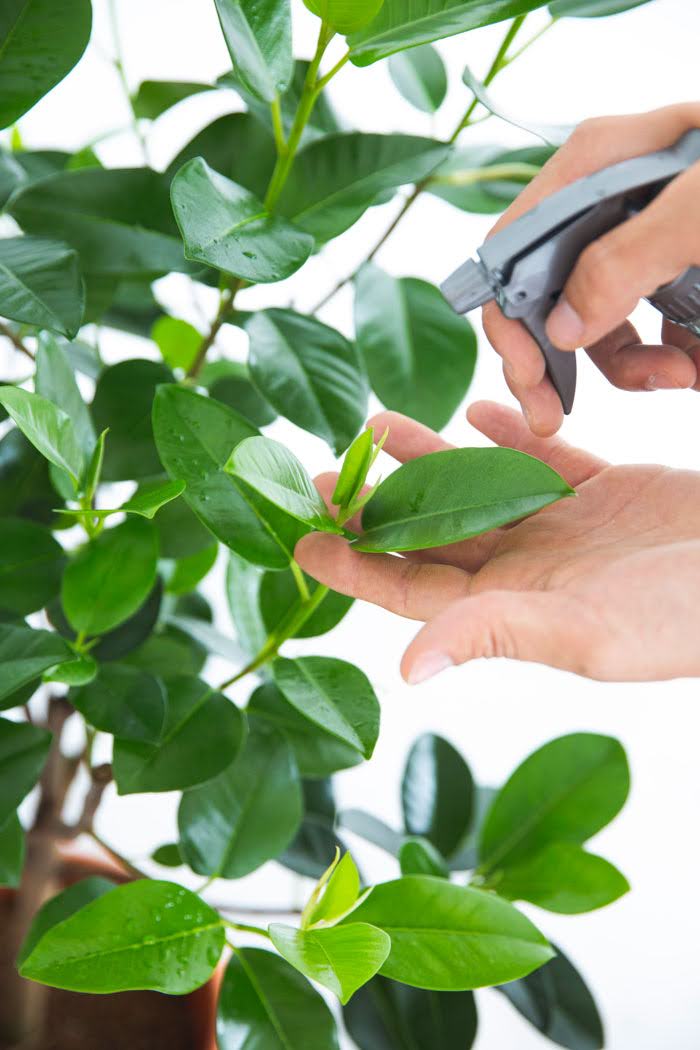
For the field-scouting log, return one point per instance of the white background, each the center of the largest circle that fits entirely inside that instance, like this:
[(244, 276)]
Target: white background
[(641, 954)]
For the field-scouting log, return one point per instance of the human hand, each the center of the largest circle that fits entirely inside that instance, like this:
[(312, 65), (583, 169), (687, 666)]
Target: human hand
[(613, 273), (606, 585)]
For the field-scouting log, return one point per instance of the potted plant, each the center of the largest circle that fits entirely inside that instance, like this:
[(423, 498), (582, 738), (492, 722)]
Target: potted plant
[(122, 485)]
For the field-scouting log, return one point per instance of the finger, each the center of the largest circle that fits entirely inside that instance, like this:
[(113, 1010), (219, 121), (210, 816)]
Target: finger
[(631, 262), (414, 590), (510, 339), (546, 628), (541, 406), (676, 335), (630, 365), (506, 427), (406, 439)]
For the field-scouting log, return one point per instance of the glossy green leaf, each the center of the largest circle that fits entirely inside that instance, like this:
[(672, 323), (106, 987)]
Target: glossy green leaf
[(75, 672), (225, 226), (61, 907), (310, 373), (272, 470), (127, 304), (188, 572), (249, 814), (24, 655), (110, 577), (170, 942), (266, 1003), (118, 220), (486, 179), (371, 829), (259, 39), (124, 701), (195, 436), (155, 97), (552, 134), (236, 145), (25, 487), (178, 341), (450, 496), (341, 958), (399, 323), (133, 632), (55, 380), (317, 753), (230, 382), (437, 793), (562, 877), (591, 8), (334, 695), (345, 16), (12, 851), (421, 77), (243, 582), (40, 284), (399, 25), (557, 1001), (418, 856), (385, 1015), (40, 42), (353, 473), (204, 634), (168, 856), (451, 938), (31, 566), (565, 792), (467, 856), (23, 752), (335, 893), (123, 402), (149, 498), (202, 734), (279, 594), (168, 655), (316, 843), (48, 428), (337, 178)]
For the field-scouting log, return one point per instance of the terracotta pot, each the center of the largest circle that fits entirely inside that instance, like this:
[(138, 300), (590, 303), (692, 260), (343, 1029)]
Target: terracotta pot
[(202, 1003)]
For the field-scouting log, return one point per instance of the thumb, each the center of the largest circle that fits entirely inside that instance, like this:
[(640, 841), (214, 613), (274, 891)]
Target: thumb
[(547, 628)]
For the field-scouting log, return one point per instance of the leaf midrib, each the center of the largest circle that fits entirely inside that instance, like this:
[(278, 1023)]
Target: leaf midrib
[(455, 510), (13, 32), (359, 746), (193, 931)]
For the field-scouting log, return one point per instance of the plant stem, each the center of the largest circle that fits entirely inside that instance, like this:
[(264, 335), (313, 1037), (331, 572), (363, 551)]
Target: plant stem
[(500, 62), (128, 867), (300, 580), (16, 341), (118, 62), (243, 927), (226, 304)]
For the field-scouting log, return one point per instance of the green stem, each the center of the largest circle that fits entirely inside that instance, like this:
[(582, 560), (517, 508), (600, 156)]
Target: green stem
[(512, 172), (243, 927), (226, 304), (500, 62), (16, 341), (300, 581)]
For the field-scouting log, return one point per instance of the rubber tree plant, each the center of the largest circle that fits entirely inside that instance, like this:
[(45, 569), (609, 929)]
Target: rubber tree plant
[(122, 485)]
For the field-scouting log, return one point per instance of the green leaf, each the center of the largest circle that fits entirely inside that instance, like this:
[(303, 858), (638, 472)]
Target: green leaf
[(486, 179), (225, 226), (171, 943), (398, 323), (110, 577), (275, 472), (354, 471), (336, 892), (61, 907), (418, 856), (48, 428), (118, 220), (25, 654), (236, 145), (266, 1003), (437, 793), (591, 8), (23, 752), (230, 382), (155, 97), (243, 595), (556, 1000), (188, 572), (178, 341), (78, 671), (552, 134), (565, 792), (385, 1015), (55, 380), (204, 634), (316, 842), (371, 829), (124, 701), (168, 655), (168, 856), (278, 595), (149, 498), (31, 566), (341, 958), (467, 856), (450, 496), (259, 39), (318, 753), (337, 178), (195, 436), (40, 42), (123, 403), (25, 488), (334, 695), (129, 635), (451, 938), (345, 16), (249, 814), (310, 373), (399, 25), (180, 532), (421, 77), (562, 877), (40, 284), (202, 735), (12, 851)]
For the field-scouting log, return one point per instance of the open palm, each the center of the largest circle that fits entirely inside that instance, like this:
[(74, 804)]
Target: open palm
[(606, 585)]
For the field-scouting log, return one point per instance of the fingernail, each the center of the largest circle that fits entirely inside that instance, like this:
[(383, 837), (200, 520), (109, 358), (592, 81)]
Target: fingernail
[(564, 326), (662, 382), (427, 666)]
